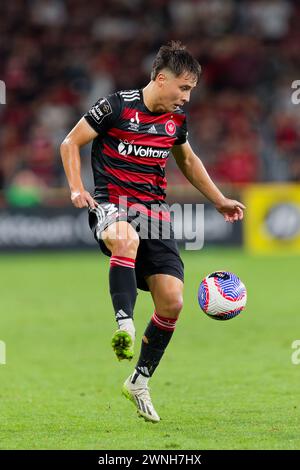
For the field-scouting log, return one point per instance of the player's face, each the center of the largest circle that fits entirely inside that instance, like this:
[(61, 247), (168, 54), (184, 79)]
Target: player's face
[(176, 91)]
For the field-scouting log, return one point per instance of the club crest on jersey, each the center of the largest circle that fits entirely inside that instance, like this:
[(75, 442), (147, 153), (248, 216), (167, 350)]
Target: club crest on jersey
[(170, 127)]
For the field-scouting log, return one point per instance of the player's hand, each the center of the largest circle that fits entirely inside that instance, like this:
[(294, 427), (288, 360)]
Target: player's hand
[(82, 199), (231, 210)]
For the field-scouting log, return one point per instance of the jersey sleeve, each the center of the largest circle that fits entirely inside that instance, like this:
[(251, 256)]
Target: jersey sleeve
[(182, 134), (105, 112)]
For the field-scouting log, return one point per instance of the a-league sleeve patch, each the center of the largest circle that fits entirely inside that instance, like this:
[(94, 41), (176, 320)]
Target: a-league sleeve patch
[(100, 110)]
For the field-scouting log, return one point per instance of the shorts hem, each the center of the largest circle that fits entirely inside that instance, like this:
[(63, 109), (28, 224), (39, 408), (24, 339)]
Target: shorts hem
[(169, 271)]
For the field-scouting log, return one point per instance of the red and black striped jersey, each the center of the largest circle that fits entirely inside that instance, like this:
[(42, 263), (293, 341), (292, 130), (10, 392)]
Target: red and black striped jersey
[(130, 153)]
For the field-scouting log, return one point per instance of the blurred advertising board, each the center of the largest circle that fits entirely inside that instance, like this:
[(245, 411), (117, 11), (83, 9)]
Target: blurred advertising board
[(67, 228), (272, 218)]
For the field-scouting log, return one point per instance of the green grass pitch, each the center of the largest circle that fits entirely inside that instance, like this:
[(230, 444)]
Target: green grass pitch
[(221, 385)]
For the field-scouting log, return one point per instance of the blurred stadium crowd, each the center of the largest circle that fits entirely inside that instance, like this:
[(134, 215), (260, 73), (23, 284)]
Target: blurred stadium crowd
[(58, 57)]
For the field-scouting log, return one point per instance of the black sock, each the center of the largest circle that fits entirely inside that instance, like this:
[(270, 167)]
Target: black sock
[(155, 340), (122, 282)]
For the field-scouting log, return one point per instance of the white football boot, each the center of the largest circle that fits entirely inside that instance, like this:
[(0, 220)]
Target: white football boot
[(140, 396)]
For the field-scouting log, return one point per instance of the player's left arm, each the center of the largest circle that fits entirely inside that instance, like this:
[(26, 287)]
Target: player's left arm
[(193, 169)]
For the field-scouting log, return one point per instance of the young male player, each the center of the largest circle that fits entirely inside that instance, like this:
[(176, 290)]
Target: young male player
[(133, 133)]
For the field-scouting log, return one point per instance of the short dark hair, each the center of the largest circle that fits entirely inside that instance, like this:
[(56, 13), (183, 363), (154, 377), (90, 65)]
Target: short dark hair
[(177, 59)]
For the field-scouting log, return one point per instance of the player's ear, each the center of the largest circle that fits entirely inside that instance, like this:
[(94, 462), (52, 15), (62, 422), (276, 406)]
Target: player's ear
[(161, 79)]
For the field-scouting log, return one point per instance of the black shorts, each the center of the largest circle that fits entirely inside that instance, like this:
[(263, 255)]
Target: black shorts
[(154, 256)]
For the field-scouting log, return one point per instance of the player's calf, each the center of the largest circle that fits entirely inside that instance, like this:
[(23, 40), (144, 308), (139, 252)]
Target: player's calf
[(123, 292), (122, 282)]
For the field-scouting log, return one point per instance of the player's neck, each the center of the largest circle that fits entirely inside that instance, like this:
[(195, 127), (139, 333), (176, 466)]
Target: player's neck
[(151, 100)]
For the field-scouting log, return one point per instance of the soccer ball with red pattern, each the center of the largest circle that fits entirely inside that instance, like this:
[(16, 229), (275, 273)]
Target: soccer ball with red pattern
[(222, 295)]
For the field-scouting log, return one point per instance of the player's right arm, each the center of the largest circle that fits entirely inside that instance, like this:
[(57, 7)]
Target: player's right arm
[(80, 135), (95, 122)]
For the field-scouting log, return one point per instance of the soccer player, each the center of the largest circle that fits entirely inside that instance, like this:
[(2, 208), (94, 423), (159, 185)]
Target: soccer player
[(133, 133)]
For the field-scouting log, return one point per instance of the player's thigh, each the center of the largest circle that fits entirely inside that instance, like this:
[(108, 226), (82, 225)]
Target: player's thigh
[(121, 238), (167, 294)]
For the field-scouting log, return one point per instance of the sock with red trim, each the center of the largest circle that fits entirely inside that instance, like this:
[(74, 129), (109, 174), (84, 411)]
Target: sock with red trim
[(123, 291), (155, 340)]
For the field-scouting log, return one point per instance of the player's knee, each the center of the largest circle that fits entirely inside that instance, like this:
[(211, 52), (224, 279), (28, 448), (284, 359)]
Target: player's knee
[(174, 306), (121, 239), (127, 247)]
